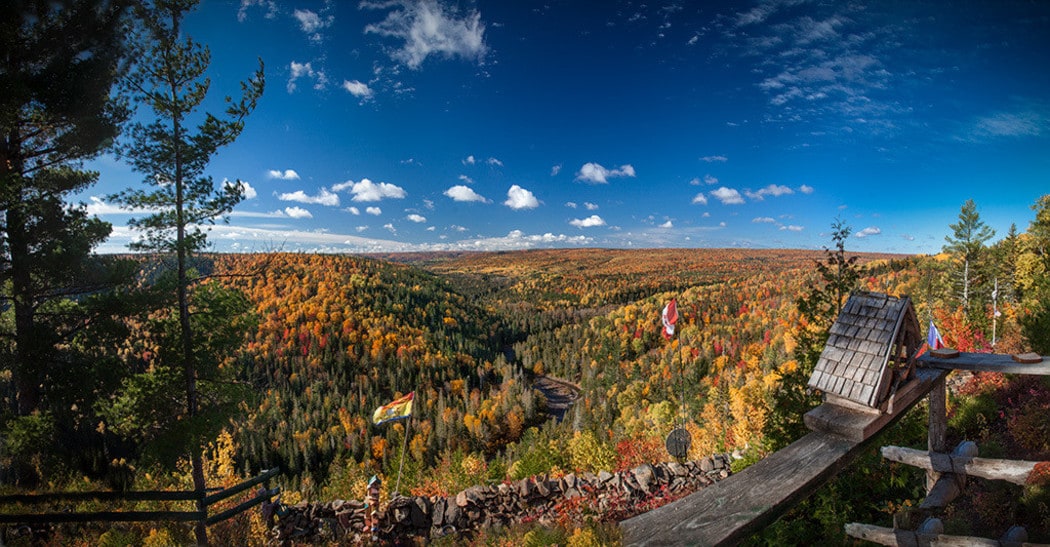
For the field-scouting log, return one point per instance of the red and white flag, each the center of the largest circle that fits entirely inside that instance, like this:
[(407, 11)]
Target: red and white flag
[(670, 317)]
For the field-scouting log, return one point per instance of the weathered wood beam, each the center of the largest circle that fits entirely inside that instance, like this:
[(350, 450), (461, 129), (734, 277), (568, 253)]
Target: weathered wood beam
[(932, 533), (1015, 471), (937, 427), (986, 362), (948, 485)]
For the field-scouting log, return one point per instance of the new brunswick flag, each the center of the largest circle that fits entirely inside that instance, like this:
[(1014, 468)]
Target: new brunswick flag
[(396, 410)]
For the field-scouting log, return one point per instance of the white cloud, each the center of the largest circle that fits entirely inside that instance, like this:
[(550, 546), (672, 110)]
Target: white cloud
[(246, 189), (361, 228), (270, 5), (792, 228), (869, 231), (1021, 123), (805, 189), (466, 179), (358, 89), (287, 174), (305, 70), (99, 207), (426, 29), (469, 160), (416, 218), (667, 224), (570, 204), (596, 174), (374, 211), (590, 206), (458, 228), (353, 211), (390, 226), (494, 162), (555, 170), (700, 198), (589, 222), (764, 220), (366, 190), (297, 212), (727, 196), (324, 198), (310, 22), (520, 198), (713, 159), (775, 190), (464, 193)]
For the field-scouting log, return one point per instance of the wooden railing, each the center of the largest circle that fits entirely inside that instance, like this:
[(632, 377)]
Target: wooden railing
[(265, 494), (733, 509)]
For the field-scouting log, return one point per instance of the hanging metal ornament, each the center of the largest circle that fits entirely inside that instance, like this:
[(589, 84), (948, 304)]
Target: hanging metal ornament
[(678, 443)]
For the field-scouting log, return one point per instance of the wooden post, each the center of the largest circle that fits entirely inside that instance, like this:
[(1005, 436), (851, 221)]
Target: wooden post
[(938, 427)]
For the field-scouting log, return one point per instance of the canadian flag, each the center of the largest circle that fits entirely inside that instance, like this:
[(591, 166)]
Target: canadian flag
[(670, 317)]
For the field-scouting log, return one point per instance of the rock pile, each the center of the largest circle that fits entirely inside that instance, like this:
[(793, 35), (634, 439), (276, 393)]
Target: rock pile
[(530, 499)]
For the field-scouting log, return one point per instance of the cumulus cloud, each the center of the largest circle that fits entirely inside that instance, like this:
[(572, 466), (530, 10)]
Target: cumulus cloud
[(310, 22), (589, 222), (390, 226), (775, 190), (297, 212), (305, 70), (287, 174), (494, 162), (700, 198), (366, 190), (727, 196), (466, 179), (520, 198), (764, 220), (464, 193), (596, 174), (555, 170), (570, 204), (425, 28), (714, 159), (358, 89), (805, 189), (353, 211), (590, 206), (324, 198), (469, 160), (246, 189), (792, 228), (416, 218), (269, 5), (667, 224), (374, 211), (869, 231)]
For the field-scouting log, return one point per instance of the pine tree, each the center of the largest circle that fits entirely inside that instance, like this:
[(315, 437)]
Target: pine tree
[(58, 64), (173, 155), (967, 242)]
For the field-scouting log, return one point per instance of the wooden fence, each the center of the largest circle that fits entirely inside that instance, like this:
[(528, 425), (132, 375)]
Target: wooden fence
[(141, 516)]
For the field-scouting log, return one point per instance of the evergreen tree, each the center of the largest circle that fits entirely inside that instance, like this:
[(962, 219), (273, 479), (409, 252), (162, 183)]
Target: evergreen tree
[(1035, 322), (58, 65), (967, 243), (172, 155)]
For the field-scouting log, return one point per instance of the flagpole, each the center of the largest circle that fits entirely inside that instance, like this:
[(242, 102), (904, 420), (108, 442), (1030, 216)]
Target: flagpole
[(404, 447)]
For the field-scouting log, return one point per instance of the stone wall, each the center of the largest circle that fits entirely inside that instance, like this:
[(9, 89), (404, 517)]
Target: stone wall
[(540, 499)]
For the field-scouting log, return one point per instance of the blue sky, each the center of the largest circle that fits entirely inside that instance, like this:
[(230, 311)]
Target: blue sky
[(433, 125)]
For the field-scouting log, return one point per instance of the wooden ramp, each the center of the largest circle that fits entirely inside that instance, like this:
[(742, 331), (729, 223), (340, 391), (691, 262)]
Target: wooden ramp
[(730, 510)]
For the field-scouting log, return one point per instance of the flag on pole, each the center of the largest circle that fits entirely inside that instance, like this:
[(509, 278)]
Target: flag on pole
[(396, 410), (669, 317), (933, 339)]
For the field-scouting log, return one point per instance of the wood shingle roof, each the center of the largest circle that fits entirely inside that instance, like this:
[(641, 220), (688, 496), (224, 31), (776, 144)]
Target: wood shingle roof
[(873, 334)]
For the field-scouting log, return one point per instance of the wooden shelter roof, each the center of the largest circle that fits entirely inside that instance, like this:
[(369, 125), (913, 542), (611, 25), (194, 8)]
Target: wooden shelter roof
[(853, 364)]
